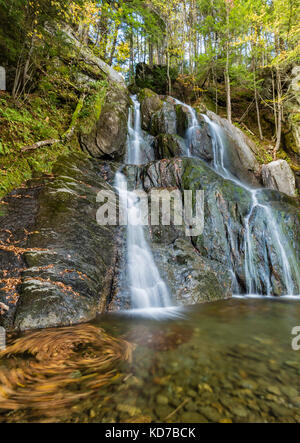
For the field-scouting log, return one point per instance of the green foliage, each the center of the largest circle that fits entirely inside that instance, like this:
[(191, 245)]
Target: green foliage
[(22, 125), (156, 79)]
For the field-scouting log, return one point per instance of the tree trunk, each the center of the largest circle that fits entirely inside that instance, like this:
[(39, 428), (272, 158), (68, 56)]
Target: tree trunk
[(227, 77), (258, 114), (113, 49), (151, 54), (279, 112)]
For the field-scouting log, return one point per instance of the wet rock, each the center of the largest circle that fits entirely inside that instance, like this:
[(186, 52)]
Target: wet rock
[(249, 384), (200, 141), (71, 258), (169, 146), (211, 414), (220, 250), (17, 218), (279, 176), (240, 411), (183, 120), (280, 411), (164, 120), (296, 401), (162, 411)]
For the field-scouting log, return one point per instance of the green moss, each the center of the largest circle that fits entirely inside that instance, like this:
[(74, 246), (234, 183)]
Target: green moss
[(146, 93), (39, 118), (91, 111)]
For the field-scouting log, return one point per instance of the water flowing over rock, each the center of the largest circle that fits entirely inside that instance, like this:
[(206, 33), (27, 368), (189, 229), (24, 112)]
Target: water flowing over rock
[(278, 175), (240, 153), (192, 277), (146, 287), (254, 232), (227, 206), (67, 267)]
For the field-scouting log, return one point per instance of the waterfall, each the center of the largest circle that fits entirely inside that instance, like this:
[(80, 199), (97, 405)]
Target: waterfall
[(147, 289), (281, 243), (192, 127), (134, 153)]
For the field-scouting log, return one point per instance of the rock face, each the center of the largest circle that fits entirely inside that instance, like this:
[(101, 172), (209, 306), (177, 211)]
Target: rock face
[(164, 120), (162, 116), (169, 146), (192, 277), (89, 58), (150, 103), (17, 217), (205, 264), (279, 176), (108, 138), (69, 259), (240, 160)]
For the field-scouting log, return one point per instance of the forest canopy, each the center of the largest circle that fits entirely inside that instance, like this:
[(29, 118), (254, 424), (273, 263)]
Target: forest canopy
[(215, 45)]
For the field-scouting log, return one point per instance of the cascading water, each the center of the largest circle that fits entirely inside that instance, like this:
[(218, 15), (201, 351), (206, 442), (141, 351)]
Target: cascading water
[(147, 289), (134, 134), (252, 281), (192, 127)]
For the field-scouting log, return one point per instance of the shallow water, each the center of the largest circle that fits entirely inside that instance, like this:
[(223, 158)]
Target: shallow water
[(228, 361)]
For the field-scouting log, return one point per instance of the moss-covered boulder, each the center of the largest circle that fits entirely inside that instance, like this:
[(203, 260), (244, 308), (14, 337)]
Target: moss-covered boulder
[(278, 175), (150, 103), (107, 138), (169, 146), (164, 121)]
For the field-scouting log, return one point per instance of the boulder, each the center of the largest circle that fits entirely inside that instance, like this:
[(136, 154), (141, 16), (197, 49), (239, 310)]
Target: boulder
[(183, 118), (107, 139), (150, 103), (164, 120), (279, 176), (169, 146), (200, 141)]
